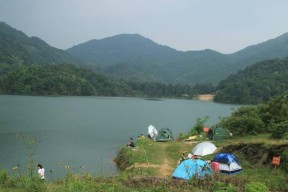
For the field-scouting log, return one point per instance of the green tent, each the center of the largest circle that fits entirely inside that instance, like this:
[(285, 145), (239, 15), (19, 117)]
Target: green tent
[(164, 134), (218, 133)]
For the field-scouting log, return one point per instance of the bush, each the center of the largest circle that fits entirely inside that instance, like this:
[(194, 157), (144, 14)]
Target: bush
[(279, 130), (255, 187), (3, 177), (223, 187)]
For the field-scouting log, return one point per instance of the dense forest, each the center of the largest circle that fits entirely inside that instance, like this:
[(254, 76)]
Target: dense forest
[(67, 79), (268, 117), (29, 66), (130, 56), (256, 84), (17, 48)]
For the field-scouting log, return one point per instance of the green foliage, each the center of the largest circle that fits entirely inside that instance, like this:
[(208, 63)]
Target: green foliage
[(3, 177), (58, 80), (139, 58), (24, 183), (31, 144), (133, 57), (223, 187), (279, 130), (244, 121), (256, 84), (197, 129), (255, 187), (16, 48), (265, 118), (199, 125), (65, 79)]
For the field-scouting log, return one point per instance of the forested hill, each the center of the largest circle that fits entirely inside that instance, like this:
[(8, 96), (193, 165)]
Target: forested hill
[(256, 83), (273, 48), (29, 66), (132, 56), (17, 48)]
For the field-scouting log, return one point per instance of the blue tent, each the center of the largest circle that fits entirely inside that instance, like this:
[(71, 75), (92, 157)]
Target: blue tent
[(228, 163), (190, 168)]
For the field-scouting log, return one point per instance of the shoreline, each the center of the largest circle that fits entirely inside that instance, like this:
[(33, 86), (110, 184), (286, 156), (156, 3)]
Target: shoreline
[(205, 97)]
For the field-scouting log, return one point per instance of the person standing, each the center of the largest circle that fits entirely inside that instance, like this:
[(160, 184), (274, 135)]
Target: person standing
[(41, 171)]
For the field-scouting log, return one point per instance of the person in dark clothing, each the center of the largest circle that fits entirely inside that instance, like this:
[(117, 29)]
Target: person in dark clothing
[(131, 143)]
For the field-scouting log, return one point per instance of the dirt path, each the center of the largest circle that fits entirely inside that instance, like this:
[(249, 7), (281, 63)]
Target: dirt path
[(165, 167), (163, 159)]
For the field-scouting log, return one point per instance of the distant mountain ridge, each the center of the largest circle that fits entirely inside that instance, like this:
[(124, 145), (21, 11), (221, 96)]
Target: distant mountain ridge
[(131, 55), (136, 58), (17, 48)]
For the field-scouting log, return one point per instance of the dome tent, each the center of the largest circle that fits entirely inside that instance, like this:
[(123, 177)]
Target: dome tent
[(164, 134), (218, 133), (228, 163), (192, 168)]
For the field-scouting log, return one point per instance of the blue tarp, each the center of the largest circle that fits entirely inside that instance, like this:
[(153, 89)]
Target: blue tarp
[(190, 168), (228, 163), (226, 158)]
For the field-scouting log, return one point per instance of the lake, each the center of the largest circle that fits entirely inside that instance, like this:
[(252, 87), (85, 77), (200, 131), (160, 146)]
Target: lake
[(86, 132)]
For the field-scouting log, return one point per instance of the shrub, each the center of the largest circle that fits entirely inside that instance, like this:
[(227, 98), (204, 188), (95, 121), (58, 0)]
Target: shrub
[(279, 130), (3, 177), (223, 187), (255, 187)]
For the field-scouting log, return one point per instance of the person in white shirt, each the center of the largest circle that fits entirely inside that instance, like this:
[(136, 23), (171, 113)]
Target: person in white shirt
[(41, 171)]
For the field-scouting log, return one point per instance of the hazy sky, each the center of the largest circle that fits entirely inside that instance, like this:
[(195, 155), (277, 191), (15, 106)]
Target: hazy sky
[(222, 25)]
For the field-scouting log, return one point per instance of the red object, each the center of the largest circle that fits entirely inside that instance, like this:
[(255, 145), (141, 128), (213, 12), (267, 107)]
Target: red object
[(215, 167), (276, 160), (206, 129)]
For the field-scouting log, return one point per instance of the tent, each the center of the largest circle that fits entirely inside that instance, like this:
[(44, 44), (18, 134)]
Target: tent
[(228, 163), (218, 133), (192, 168), (152, 131), (164, 134)]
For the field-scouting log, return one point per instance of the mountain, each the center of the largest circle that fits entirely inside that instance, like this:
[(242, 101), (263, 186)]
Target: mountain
[(134, 57), (273, 48), (17, 48), (128, 56), (256, 83)]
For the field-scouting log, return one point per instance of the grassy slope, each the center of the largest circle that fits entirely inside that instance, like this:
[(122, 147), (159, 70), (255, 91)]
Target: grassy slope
[(149, 168), (162, 159)]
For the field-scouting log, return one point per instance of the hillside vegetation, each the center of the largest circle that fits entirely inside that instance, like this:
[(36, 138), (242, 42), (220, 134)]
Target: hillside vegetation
[(255, 84), (131, 65), (132, 56), (29, 66), (17, 48)]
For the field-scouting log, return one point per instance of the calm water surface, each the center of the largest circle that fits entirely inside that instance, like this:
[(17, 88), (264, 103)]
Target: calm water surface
[(86, 132)]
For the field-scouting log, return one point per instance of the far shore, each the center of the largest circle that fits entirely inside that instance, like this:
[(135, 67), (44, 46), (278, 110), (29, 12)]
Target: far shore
[(206, 97)]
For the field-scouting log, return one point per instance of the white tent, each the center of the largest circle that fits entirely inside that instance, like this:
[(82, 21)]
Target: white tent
[(152, 131), (229, 168)]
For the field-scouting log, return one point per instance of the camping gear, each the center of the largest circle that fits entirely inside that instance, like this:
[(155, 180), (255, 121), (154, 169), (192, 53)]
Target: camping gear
[(205, 129), (152, 131), (215, 167), (164, 134), (192, 168), (204, 148), (218, 133), (228, 163)]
